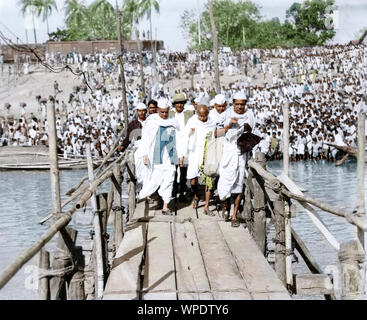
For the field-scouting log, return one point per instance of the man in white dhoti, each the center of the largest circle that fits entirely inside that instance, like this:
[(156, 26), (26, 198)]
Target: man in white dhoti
[(158, 148), (197, 128), (232, 165)]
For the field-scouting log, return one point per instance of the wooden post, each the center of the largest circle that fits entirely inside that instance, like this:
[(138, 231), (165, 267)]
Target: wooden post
[(280, 248), (259, 227), (122, 69), (44, 283), (76, 285), (351, 255), (102, 208), (118, 229), (97, 231), (215, 45), (286, 139), (54, 164), (361, 173), (132, 184), (63, 260), (288, 243)]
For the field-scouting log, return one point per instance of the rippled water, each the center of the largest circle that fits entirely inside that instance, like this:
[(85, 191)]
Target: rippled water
[(25, 199)]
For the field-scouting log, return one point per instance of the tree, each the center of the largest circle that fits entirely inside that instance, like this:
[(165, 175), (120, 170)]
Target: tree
[(309, 20), (233, 18), (46, 8), (34, 6)]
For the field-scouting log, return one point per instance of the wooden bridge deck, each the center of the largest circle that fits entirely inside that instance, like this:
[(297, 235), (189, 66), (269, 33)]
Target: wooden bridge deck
[(189, 257)]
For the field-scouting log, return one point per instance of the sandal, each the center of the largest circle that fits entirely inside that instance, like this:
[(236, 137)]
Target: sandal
[(167, 213), (195, 203), (235, 224)]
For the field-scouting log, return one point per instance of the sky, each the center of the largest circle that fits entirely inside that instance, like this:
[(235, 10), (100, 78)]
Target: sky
[(352, 18)]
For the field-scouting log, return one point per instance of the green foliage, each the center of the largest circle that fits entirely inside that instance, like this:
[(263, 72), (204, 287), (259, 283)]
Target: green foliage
[(240, 25)]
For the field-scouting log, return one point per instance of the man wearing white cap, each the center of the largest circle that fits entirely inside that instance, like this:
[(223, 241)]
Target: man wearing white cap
[(135, 127), (217, 114), (158, 149), (232, 165)]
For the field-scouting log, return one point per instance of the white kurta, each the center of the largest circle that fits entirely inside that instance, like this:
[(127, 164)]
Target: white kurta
[(157, 175), (232, 165), (196, 144)]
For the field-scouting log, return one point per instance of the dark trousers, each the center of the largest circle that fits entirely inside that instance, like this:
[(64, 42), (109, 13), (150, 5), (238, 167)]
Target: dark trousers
[(180, 187)]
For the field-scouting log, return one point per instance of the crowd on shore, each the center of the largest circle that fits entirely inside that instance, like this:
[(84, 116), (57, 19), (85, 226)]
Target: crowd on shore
[(324, 86)]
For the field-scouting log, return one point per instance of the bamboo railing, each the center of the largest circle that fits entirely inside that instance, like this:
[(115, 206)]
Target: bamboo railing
[(69, 277), (278, 195)]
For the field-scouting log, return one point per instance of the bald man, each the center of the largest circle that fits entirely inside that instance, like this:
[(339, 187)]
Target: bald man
[(197, 128)]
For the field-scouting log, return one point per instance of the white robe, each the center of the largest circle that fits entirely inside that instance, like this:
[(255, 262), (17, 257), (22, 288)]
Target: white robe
[(196, 144), (157, 175), (232, 165)]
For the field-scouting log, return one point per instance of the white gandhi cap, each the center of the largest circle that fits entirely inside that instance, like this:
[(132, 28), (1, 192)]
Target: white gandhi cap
[(239, 96), (220, 99), (163, 103), (140, 106)]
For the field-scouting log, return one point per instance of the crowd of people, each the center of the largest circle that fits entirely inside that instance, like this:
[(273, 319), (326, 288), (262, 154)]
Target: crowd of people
[(324, 87)]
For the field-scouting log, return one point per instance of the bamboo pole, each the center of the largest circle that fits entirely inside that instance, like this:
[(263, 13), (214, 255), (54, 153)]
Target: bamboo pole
[(288, 244), (351, 218), (259, 224), (62, 220), (97, 231), (280, 248), (215, 45), (132, 184), (83, 188), (361, 208), (54, 169), (118, 221), (286, 139), (44, 283), (13, 268)]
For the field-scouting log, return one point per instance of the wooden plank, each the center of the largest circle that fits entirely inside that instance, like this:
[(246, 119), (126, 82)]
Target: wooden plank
[(124, 279), (159, 270), (313, 284), (271, 296), (233, 295), (195, 296), (187, 213), (141, 211), (190, 272), (255, 270), (222, 271)]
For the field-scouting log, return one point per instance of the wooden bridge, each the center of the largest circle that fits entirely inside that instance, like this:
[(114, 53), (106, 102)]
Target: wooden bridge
[(190, 256), (140, 254)]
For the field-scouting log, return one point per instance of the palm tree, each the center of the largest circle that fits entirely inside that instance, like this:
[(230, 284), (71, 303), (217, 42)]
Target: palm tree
[(34, 6), (46, 8), (103, 19), (76, 18), (145, 8)]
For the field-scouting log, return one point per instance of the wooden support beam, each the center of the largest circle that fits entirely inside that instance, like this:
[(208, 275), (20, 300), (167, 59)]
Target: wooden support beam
[(259, 223), (351, 256), (117, 226), (62, 260), (280, 248), (313, 284), (44, 282), (116, 183)]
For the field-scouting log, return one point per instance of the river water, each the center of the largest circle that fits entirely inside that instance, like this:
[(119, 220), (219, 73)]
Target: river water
[(25, 198)]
